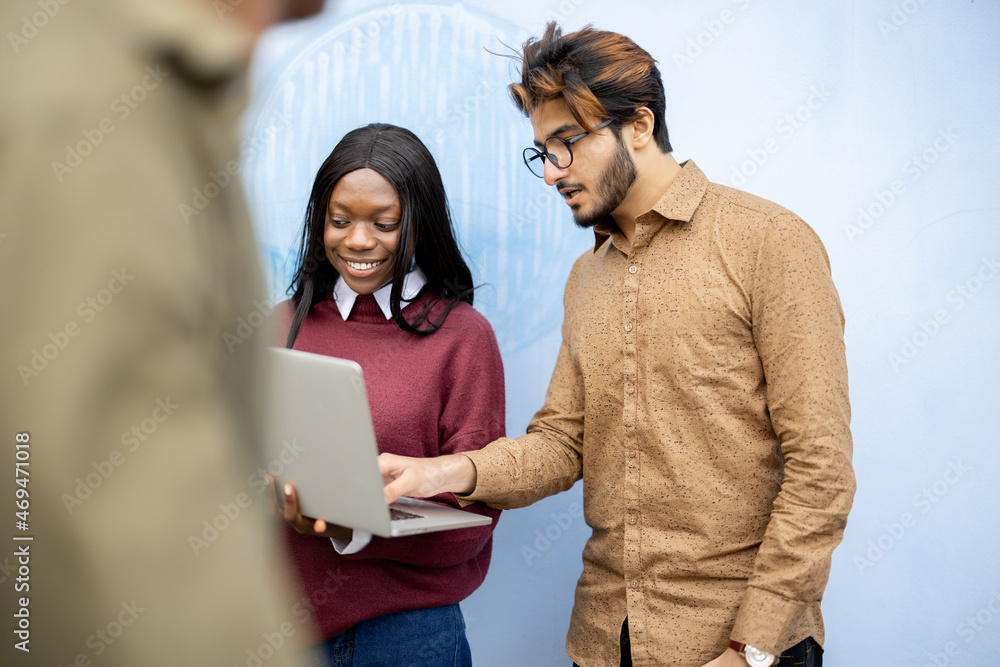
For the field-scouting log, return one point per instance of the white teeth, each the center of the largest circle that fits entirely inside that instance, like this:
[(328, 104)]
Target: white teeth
[(363, 267)]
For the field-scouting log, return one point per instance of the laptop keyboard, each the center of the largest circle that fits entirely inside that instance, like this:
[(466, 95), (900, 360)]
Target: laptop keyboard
[(397, 515)]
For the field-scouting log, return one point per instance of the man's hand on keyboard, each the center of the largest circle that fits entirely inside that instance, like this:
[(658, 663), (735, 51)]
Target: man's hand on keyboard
[(423, 478)]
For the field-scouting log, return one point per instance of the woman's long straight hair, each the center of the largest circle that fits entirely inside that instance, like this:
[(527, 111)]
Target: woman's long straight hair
[(426, 234)]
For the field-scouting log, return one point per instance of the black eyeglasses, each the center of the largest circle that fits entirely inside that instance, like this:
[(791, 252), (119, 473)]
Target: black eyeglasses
[(557, 150)]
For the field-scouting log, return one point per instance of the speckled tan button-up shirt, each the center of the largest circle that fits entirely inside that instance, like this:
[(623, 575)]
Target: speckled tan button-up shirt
[(701, 393)]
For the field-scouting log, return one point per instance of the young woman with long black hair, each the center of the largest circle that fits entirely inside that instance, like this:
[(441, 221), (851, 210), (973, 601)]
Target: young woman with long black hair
[(380, 280)]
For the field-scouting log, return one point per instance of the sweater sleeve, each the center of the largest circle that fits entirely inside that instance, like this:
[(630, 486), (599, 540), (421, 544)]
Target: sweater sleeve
[(798, 329), (472, 415)]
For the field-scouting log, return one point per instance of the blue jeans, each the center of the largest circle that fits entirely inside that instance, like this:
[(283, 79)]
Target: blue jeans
[(418, 638)]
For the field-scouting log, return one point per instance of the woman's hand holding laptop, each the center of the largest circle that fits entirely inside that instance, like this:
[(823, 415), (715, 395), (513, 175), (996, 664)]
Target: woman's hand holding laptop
[(287, 507)]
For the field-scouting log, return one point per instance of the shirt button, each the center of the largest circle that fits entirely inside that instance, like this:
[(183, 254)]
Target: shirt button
[(630, 453), (635, 584), (628, 326), (629, 389), (631, 519), (633, 269)]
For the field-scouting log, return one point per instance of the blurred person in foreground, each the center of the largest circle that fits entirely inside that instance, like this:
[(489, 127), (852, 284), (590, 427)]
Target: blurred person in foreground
[(700, 391), (126, 256)]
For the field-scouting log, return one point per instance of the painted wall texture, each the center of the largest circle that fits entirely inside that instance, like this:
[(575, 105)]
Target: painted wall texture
[(876, 122)]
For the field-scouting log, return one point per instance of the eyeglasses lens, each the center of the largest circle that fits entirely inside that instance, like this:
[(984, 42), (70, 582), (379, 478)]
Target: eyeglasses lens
[(555, 149)]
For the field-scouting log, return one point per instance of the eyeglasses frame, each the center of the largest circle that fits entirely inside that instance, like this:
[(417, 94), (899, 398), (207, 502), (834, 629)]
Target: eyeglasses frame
[(543, 154)]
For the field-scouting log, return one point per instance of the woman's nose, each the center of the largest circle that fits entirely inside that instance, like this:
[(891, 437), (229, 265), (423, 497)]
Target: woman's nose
[(359, 237)]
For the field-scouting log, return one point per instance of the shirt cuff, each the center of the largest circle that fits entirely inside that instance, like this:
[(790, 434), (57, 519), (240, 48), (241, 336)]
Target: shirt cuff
[(359, 541), (765, 620), (489, 484)]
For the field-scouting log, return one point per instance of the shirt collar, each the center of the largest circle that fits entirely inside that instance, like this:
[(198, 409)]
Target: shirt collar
[(345, 296), (678, 202)]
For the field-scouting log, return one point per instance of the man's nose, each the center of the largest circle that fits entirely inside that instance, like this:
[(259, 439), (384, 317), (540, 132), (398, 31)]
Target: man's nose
[(553, 173)]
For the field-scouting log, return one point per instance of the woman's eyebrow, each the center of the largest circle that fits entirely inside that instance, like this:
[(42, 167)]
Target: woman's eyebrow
[(380, 209)]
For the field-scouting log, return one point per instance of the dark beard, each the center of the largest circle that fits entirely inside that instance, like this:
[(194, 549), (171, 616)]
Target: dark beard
[(612, 187)]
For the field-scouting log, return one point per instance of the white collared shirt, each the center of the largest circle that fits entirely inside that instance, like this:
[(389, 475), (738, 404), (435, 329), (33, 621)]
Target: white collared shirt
[(345, 298)]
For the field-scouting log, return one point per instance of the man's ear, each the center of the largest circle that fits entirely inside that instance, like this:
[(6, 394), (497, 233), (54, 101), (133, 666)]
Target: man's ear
[(642, 128)]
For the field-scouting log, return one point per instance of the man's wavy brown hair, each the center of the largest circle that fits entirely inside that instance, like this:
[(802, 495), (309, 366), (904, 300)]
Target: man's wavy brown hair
[(599, 74)]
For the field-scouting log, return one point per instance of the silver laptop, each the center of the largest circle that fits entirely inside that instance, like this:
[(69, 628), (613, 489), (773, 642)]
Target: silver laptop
[(320, 438)]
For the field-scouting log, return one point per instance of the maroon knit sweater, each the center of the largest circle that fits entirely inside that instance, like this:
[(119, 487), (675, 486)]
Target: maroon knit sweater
[(429, 395)]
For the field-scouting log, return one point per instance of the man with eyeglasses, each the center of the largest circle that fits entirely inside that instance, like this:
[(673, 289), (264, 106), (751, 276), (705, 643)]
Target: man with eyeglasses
[(700, 390)]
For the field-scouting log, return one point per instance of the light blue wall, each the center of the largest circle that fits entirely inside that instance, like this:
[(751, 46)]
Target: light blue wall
[(830, 109)]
